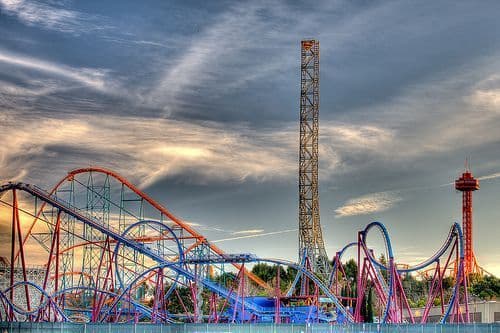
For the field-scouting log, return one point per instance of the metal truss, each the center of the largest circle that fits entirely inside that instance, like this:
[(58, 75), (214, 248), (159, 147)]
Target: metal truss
[(310, 233)]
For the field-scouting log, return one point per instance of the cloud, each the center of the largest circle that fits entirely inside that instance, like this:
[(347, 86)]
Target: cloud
[(151, 150), (97, 79), (346, 147), (239, 46), (244, 44), (425, 122), (255, 235), (368, 204), (49, 16), (148, 150), (486, 93), (193, 224), (488, 98), (367, 137), (249, 231), (490, 176), (194, 66), (204, 227)]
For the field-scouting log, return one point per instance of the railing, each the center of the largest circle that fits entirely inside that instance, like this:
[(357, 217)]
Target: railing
[(243, 328)]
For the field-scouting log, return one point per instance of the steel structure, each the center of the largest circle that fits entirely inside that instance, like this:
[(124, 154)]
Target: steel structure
[(111, 253), (467, 184), (310, 233)]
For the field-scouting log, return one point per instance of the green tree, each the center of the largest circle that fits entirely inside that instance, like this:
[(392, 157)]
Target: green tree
[(268, 274), (486, 288), (351, 270), (383, 261), (226, 279), (369, 306), (264, 271), (448, 282), (174, 304)]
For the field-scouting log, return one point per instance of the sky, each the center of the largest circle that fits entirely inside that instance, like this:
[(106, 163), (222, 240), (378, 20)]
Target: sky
[(197, 103)]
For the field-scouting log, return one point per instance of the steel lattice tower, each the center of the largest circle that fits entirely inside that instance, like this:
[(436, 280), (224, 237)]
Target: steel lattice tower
[(467, 184), (310, 235)]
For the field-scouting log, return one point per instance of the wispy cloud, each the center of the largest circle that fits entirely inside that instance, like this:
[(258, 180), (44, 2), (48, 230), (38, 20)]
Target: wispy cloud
[(97, 79), (249, 231), (205, 227), (193, 224), (52, 16), (368, 204), (230, 41), (490, 176), (255, 235), (367, 137), (486, 93), (489, 98), (345, 147), (190, 69)]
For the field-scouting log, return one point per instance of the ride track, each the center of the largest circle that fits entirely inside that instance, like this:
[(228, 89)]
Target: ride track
[(110, 260)]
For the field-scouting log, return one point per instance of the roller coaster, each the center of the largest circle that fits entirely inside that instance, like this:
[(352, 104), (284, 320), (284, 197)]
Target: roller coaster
[(110, 253)]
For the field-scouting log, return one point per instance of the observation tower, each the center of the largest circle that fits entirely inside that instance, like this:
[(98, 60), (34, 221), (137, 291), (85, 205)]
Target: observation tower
[(467, 184)]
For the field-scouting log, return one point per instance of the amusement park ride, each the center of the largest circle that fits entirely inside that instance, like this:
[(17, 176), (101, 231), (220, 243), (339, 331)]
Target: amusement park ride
[(111, 253)]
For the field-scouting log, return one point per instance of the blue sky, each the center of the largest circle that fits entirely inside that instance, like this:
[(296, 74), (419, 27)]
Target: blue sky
[(197, 102)]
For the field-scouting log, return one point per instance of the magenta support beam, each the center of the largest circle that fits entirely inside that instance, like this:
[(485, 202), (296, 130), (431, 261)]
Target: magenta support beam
[(21, 250), (277, 310), (243, 292), (12, 254)]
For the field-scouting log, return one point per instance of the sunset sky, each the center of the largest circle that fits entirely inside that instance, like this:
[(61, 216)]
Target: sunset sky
[(197, 103)]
